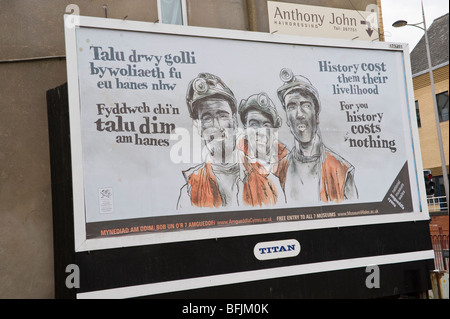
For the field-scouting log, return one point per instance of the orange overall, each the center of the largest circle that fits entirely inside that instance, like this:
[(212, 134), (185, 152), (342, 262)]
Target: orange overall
[(204, 188), (259, 188)]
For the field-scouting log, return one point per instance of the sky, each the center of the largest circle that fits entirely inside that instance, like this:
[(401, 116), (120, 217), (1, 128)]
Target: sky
[(411, 11)]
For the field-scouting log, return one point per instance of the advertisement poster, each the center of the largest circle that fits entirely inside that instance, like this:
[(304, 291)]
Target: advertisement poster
[(183, 133)]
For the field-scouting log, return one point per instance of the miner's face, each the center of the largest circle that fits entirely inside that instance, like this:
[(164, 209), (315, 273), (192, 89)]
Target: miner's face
[(302, 118), (260, 134), (217, 124)]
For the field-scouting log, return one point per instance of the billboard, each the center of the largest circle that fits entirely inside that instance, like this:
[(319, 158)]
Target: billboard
[(185, 133)]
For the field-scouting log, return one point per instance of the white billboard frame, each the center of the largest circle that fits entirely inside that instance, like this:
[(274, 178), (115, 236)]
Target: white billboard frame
[(82, 243)]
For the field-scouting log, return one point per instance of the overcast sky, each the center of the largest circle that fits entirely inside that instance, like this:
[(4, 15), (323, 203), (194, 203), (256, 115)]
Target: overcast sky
[(411, 11)]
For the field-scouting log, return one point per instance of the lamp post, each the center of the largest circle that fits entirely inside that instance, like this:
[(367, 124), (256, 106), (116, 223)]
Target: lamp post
[(402, 23)]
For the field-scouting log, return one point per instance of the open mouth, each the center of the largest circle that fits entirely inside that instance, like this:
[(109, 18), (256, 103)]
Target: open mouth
[(217, 137), (301, 127)]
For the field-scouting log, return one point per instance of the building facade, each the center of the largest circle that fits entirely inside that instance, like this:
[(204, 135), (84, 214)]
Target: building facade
[(438, 41)]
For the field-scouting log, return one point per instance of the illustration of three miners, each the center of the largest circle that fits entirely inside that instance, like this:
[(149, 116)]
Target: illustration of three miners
[(253, 168)]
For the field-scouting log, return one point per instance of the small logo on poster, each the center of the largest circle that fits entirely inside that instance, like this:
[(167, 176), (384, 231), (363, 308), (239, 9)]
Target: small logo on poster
[(105, 200), (277, 249)]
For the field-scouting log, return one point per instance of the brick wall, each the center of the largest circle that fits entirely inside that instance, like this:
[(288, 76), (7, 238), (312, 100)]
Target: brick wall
[(439, 221)]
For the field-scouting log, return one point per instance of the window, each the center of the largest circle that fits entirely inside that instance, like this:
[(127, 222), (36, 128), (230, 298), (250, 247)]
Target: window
[(172, 11), (442, 105), (418, 114)]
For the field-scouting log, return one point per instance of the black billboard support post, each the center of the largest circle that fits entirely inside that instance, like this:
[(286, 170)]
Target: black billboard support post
[(61, 177)]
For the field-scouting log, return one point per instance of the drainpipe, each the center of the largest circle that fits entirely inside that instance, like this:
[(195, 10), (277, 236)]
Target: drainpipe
[(252, 15)]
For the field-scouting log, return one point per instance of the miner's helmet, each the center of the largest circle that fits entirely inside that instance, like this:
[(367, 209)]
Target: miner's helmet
[(207, 85), (297, 82), (262, 103)]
